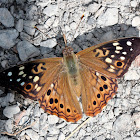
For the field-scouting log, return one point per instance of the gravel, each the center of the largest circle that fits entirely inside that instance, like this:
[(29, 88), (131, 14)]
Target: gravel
[(20, 42)]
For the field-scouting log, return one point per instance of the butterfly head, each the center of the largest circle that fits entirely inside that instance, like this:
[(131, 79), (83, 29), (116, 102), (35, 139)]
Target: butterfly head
[(68, 51)]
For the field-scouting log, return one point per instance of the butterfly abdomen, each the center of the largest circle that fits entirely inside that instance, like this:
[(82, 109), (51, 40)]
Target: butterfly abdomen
[(71, 65)]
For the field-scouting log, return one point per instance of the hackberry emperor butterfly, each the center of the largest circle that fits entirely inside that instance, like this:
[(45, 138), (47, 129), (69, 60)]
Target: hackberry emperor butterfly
[(90, 74)]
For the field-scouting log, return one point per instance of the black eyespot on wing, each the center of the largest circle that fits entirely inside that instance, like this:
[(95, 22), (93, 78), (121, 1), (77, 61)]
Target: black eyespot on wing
[(51, 101), (98, 96), (94, 102), (61, 105), (28, 87), (119, 63), (105, 86), (48, 92), (56, 101), (68, 110), (101, 89), (103, 78)]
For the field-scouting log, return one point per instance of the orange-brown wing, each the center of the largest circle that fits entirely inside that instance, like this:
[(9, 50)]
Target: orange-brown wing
[(112, 58), (97, 90), (60, 100), (33, 78)]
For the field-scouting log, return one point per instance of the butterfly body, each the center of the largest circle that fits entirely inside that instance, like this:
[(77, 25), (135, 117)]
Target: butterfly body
[(71, 66), (58, 83)]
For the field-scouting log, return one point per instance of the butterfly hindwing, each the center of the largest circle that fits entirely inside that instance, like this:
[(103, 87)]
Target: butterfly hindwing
[(112, 58), (97, 89), (60, 100), (31, 79)]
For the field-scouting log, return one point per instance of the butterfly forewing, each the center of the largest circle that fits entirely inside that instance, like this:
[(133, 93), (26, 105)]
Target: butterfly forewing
[(111, 58), (33, 78)]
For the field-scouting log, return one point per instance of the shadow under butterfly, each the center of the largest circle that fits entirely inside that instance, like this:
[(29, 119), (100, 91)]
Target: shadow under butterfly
[(91, 74)]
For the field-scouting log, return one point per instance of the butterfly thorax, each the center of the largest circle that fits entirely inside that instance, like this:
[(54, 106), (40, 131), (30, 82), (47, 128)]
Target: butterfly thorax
[(71, 64)]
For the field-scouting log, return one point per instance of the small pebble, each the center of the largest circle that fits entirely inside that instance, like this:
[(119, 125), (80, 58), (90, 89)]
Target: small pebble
[(122, 123), (136, 21), (110, 17), (131, 75), (19, 25), (26, 50), (9, 111), (50, 43), (61, 136), (32, 134), (51, 10), (10, 35), (6, 18), (52, 119), (136, 119)]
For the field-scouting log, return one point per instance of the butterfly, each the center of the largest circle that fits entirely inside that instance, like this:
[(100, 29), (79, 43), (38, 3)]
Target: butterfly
[(89, 76)]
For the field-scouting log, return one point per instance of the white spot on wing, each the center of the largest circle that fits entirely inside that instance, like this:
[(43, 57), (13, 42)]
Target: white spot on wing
[(108, 60), (30, 77), (122, 58), (124, 53), (115, 43), (119, 48), (97, 73), (131, 49), (18, 79), (129, 43), (36, 78), (52, 85), (10, 73), (111, 70), (112, 67), (21, 72), (24, 75), (117, 52), (36, 86), (22, 83), (21, 68), (38, 89), (112, 56)]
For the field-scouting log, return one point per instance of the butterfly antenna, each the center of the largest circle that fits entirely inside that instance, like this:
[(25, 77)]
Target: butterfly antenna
[(46, 35), (65, 40), (77, 26), (64, 37)]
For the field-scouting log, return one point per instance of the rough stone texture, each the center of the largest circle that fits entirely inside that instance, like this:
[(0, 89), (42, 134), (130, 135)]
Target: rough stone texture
[(52, 119), (10, 35), (110, 17), (136, 21), (51, 10), (123, 123), (132, 75), (32, 134), (9, 111), (103, 21), (136, 119), (6, 18), (27, 50), (29, 26), (19, 25), (50, 43)]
